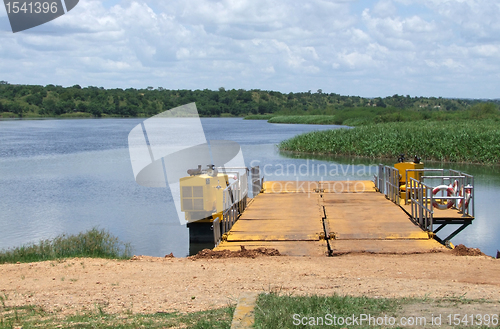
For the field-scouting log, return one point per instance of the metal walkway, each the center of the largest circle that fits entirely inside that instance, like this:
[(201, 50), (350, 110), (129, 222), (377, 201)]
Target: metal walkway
[(326, 218)]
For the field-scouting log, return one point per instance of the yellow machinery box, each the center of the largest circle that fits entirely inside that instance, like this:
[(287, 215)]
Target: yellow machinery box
[(403, 167), (201, 195)]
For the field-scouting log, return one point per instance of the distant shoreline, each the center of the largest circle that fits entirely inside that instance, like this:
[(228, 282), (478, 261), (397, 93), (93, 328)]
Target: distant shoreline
[(29, 101), (92, 117)]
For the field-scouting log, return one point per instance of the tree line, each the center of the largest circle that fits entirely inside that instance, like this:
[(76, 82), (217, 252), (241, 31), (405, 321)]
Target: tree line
[(52, 100)]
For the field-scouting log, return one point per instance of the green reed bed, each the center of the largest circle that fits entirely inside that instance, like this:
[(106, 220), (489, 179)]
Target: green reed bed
[(259, 116), (453, 141), (305, 119), (365, 115), (93, 243), (77, 115)]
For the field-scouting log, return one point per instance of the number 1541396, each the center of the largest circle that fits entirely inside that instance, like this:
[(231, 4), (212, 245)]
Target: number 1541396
[(31, 7)]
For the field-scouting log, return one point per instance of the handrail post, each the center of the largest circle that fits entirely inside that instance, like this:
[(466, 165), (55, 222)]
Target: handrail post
[(407, 191), (411, 199), (256, 182), (432, 201), (420, 210), (216, 229)]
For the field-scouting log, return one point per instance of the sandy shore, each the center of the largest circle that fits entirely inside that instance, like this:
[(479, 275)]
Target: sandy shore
[(149, 285)]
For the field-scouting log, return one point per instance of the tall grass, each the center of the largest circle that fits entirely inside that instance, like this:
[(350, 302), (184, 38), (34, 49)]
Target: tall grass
[(259, 116), (77, 115), (93, 243), (365, 115), (275, 311), (8, 115), (35, 317), (305, 119), (454, 141)]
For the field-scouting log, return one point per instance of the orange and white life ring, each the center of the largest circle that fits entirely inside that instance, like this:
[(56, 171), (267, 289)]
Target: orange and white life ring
[(468, 193), (454, 186), (449, 191)]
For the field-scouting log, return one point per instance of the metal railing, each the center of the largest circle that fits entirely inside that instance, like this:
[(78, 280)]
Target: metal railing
[(244, 192), (229, 217), (441, 171), (387, 182), (469, 184), (465, 183), (236, 192), (422, 211), (421, 196), (423, 199), (223, 225), (379, 179), (234, 202), (391, 180), (231, 195)]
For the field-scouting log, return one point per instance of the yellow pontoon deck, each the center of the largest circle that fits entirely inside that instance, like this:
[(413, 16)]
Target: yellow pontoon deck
[(315, 218)]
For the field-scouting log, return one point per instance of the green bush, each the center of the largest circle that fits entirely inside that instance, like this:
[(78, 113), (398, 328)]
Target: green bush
[(305, 119), (259, 116), (93, 243)]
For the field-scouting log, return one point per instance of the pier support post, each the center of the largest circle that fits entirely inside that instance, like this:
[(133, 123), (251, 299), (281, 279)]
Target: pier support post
[(256, 182)]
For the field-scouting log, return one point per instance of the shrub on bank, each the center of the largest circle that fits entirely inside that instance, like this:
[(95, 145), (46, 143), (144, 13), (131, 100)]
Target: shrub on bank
[(93, 243)]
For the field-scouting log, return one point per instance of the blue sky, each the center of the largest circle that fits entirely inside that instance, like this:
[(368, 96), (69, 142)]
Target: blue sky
[(448, 48)]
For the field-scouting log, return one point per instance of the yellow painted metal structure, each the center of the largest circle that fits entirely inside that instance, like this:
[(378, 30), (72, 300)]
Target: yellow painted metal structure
[(318, 218), (201, 196), (403, 167)]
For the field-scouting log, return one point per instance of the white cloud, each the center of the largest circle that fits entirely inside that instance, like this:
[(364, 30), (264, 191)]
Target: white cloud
[(475, 20), (487, 50), (389, 46), (385, 8), (403, 32), (356, 60)]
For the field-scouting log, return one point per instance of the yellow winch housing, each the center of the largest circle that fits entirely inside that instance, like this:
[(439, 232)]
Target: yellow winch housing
[(403, 167), (202, 195)]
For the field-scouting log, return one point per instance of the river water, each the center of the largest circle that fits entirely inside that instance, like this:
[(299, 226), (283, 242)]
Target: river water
[(67, 176)]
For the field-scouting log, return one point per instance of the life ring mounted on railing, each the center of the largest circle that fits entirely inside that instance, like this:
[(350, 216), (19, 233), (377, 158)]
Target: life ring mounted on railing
[(468, 194), (449, 191), (455, 187)]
